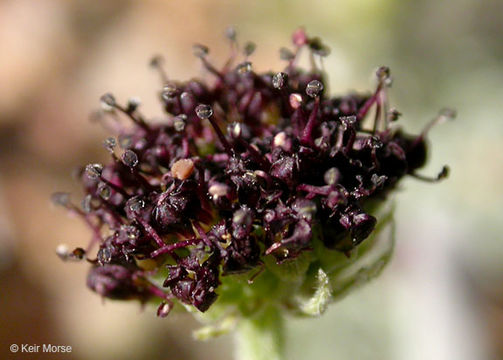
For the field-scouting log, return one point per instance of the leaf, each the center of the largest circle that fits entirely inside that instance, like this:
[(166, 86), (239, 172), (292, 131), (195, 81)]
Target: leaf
[(214, 330), (292, 270), (318, 303), (370, 263)]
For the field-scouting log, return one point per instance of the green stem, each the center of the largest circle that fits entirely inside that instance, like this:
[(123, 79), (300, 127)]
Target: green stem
[(260, 336)]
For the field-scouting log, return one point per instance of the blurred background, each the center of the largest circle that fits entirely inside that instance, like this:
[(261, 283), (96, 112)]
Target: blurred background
[(441, 297)]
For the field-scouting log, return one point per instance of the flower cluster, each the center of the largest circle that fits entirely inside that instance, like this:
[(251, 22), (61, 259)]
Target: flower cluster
[(248, 167)]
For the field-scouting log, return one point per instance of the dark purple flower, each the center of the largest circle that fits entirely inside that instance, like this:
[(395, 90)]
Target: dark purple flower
[(247, 166)]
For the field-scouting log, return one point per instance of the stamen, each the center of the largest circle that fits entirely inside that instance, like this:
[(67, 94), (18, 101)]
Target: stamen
[(314, 88), (273, 248), (286, 54), (295, 100), (133, 104), (384, 80), (444, 115), (257, 273), (202, 233), (201, 52), (172, 247), (110, 143), (279, 80), (244, 68), (65, 254), (61, 199), (203, 112), (307, 134), (94, 171), (157, 63), (151, 231), (249, 48), (299, 37), (444, 173), (108, 103), (130, 159), (348, 125), (179, 122), (230, 33), (104, 191), (377, 116), (393, 115), (368, 104), (169, 92), (164, 309), (318, 190)]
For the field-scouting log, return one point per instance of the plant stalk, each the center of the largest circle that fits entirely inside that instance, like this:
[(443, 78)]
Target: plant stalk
[(260, 336)]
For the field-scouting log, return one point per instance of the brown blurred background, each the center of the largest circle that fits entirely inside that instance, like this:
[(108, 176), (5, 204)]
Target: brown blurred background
[(442, 296)]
